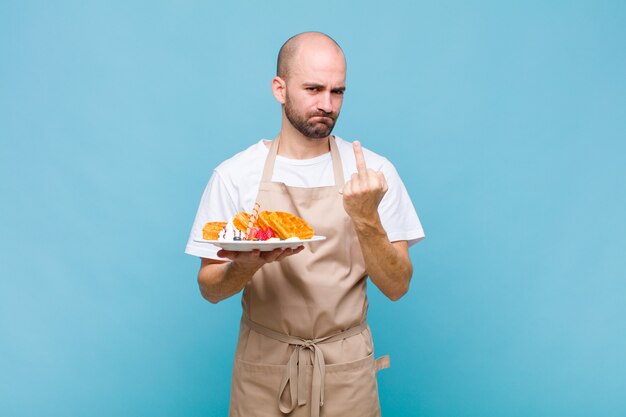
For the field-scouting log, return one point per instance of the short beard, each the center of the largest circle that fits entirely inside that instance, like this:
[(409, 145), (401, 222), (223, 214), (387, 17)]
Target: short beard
[(318, 130)]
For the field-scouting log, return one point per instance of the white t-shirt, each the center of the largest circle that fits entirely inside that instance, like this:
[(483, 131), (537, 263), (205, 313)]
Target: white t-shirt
[(234, 185)]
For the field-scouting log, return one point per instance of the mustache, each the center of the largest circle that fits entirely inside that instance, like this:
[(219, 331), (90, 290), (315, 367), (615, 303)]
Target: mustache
[(330, 115)]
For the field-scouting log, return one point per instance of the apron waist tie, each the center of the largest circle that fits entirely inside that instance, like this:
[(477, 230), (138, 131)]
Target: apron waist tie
[(294, 376)]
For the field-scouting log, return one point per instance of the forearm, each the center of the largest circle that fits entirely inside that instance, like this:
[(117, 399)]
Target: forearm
[(218, 281), (388, 264)]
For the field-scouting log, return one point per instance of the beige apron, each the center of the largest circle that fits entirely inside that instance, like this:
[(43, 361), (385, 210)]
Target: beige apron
[(304, 346)]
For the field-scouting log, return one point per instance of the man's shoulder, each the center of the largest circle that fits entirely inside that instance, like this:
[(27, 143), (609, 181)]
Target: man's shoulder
[(249, 159)]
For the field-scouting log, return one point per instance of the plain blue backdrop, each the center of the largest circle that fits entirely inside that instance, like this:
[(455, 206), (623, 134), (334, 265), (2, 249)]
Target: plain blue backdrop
[(506, 120)]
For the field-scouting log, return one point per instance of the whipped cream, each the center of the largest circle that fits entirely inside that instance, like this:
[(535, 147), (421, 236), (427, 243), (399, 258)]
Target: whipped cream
[(229, 232)]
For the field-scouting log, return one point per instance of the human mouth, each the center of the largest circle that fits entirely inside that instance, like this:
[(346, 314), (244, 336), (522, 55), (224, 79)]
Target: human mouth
[(324, 119)]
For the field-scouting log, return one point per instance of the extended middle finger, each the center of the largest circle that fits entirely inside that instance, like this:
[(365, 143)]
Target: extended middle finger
[(361, 166)]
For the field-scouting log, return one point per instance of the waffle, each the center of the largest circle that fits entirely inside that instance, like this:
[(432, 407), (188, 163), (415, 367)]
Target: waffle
[(211, 230), (285, 225), (241, 221)]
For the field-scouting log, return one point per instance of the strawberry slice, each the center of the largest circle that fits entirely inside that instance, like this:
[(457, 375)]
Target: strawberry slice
[(254, 233), (269, 233)]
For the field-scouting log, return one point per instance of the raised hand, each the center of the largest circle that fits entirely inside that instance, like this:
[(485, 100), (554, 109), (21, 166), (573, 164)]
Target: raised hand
[(364, 191)]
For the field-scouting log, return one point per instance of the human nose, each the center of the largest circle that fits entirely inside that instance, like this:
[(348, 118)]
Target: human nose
[(325, 103)]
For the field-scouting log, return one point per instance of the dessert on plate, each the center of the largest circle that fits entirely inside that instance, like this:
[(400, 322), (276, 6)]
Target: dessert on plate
[(263, 226)]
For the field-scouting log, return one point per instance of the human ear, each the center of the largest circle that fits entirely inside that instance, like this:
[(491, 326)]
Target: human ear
[(279, 89)]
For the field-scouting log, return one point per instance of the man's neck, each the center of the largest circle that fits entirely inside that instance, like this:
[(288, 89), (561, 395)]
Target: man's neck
[(294, 145)]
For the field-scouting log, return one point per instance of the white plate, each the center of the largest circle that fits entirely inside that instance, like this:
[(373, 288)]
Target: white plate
[(263, 246)]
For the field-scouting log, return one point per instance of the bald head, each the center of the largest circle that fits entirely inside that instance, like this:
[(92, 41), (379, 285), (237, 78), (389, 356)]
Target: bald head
[(299, 43)]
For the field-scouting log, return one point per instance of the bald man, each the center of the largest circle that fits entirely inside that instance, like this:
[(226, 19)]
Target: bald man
[(304, 346)]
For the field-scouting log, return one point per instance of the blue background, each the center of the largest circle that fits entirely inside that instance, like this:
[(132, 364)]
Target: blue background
[(506, 120)]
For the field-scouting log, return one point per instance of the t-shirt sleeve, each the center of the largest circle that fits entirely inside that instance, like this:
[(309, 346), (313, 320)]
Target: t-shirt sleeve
[(216, 205), (396, 210)]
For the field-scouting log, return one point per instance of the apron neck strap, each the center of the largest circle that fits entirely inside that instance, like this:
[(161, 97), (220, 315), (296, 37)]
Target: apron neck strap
[(334, 154)]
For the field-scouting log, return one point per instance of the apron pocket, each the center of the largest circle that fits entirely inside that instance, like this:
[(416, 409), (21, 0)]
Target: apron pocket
[(254, 389), (351, 389)]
